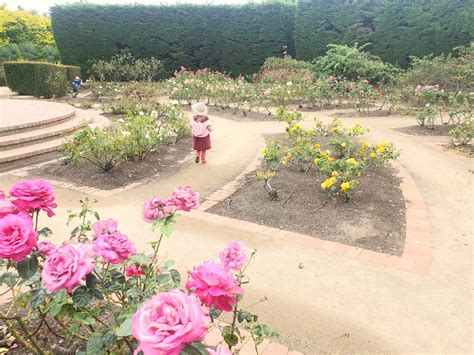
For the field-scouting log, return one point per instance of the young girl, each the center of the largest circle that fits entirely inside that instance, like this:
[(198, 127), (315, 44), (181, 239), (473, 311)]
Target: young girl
[(201, 128)]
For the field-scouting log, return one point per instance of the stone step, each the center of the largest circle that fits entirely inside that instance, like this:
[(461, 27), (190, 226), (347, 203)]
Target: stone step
[(41, 134), (29, 115), (28, 151)]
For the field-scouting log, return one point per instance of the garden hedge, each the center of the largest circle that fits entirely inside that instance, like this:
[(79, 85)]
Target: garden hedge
[(72, 71), (31, 78), (234, 39), (395, 29)]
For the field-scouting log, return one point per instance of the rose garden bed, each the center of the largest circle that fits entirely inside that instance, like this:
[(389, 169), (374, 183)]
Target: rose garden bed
[(164, 161), (374, 218)]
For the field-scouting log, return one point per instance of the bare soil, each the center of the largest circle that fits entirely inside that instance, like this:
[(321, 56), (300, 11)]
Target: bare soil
[(373, 219), (163, 162), (240, 116), (417, 130)]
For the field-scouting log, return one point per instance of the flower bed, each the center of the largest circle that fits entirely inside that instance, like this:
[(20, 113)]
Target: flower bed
[(98, 294)]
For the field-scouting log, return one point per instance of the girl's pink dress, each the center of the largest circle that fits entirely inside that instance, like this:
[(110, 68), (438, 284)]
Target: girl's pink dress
[(201, 133)]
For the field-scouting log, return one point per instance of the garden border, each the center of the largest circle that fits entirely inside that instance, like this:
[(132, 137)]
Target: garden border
[(417, 252)]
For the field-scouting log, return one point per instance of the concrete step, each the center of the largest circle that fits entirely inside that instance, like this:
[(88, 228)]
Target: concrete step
[(32, 150), (41, 134)]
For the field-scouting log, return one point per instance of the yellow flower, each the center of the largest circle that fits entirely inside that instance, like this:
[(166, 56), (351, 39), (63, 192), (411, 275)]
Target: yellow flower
[(289, 155), (316, 161), (381, 149), (373, 155), (264, 152), (365, 144), (385, 143), (362, 151), (345, 186), (328, 183), (335, 173), (328, 152), (343, 145), (377, 146), (351, 161), (317, 145), (284, 162), (330, 158)]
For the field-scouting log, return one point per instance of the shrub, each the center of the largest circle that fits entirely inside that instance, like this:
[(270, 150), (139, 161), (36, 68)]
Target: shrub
[(104, 296), (283, 70), (35, 78), (353, 64), (124, 67), (462, 134), (234, 39), (72, 72)]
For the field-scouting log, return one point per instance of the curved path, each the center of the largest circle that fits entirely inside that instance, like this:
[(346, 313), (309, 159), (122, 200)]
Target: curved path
[(335, 303)]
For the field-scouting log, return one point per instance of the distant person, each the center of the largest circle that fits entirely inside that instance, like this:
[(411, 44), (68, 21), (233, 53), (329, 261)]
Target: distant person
[(201, 129), (76, 84)]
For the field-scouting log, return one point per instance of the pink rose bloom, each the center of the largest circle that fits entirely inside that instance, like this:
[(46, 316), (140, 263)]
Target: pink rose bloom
[(133, 270), (165, 323), (67, 267), (34, 194), (234, 255), (17, 237), (214, 285), (184, 198), (108, 226), (220, 350), (6, 207), (3, 196), (156, 208), (47, 248), (114, 248)]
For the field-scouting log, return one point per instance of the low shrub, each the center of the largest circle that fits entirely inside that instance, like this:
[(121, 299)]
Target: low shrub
[(283, 70), (36, 78), (462, 134), (104, 296)]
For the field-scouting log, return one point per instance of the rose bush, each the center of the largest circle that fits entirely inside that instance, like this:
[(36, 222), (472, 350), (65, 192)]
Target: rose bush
[(102, 295)]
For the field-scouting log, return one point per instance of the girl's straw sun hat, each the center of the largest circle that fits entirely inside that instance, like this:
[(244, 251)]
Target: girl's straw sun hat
[(199, 108)]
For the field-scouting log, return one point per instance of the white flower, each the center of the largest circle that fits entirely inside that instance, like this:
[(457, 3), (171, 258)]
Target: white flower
[(154, 114), (125, 133), (141, 113), (147, 136), (115, 89), (92, 125), (121, 120), (427, 105), (100, 87), (289, 83)]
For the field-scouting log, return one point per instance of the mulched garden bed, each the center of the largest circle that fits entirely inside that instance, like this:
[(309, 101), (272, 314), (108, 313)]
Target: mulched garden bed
[(165, 161), (373, 219), (417, 130)]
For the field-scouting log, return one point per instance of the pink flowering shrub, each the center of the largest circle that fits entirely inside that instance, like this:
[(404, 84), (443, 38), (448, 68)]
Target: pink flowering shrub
[(103, 295)]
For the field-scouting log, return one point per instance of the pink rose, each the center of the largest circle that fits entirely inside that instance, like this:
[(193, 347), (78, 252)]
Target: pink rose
[(156, 208), (165, 323), (184, 198), (114, 248), (3, 196), (67, 267), (34, 194), (6, 207), (214, 285), (220, 350), (47, 248), (104, 227), (17, 237), (234, 256), (133, 270)]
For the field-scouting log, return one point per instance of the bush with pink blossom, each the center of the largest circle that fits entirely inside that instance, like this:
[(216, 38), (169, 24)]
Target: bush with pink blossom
[(104, 297)]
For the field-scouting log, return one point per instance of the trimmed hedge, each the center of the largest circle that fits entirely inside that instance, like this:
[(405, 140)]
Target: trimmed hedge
[(394, 29), (234, 39), (36, 78), (72, 71)]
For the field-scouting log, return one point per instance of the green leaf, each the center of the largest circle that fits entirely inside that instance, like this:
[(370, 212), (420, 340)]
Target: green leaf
[(95, 345), (125, 328), (231, 339), (84, 318), (196, 348), (163, 278), (167, 229), (97, 294), (33, 279), (175, 276), (91, 281), (45, 232), (169, 264), (27, 267), (8, 279), (74, 328), (214, 313), (81, 296), (37, 297), (96, 215)]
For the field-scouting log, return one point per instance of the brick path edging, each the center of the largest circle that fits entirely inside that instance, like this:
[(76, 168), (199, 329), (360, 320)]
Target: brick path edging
[(417, 253)]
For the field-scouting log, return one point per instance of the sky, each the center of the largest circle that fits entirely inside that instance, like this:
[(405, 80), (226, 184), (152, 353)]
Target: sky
[(42, 6)]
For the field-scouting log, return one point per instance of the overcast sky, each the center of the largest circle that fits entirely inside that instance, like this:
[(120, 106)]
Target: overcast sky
[(43, 5)]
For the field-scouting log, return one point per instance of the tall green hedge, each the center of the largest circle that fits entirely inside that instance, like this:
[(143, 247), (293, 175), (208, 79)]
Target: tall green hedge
[(72, 71), (235, 39), (396, 29), (36, 78)]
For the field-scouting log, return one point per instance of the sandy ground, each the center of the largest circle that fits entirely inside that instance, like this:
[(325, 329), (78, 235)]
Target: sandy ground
[(333, 304)]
